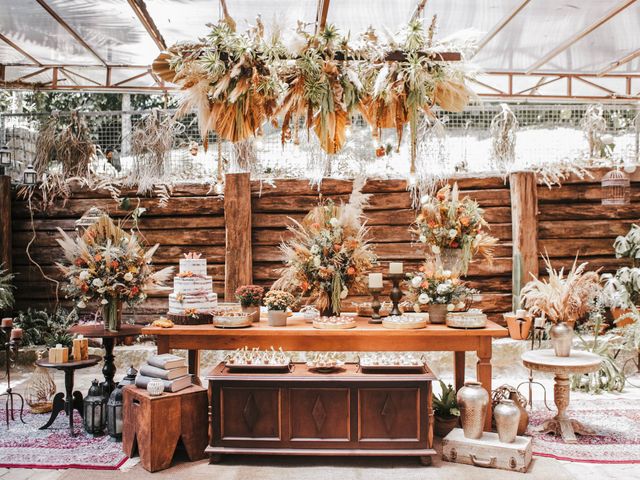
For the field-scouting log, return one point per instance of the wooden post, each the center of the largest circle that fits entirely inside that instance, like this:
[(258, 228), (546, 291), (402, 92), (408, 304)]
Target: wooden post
[(524, 224), (5, 222), (237, 219)]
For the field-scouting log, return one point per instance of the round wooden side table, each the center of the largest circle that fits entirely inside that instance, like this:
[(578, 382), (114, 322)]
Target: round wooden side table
[(108, 342), (578, 363), (72, 400)]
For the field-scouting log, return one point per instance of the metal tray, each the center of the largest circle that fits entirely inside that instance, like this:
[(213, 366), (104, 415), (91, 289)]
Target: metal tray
[(259, 368), (392, 368)]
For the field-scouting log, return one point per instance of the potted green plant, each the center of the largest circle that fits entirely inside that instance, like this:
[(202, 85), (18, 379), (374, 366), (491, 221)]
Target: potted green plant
[(446, 412), (250, 298), (6, 289), (277, 302)]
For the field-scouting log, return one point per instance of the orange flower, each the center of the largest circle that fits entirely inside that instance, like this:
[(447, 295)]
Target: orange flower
[(134, 290), (84, 287), (431, 224), (454, 244), (337, 247), (98, 257), (80, 262), (465, 221), (114, 264), (380, 151), (440, 195), (351, 271)]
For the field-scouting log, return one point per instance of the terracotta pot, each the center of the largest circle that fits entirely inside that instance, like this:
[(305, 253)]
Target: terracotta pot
[(561, 338), (473, 400), (518, 329), (437, 313), (277, 318), (619, 312), (254, 310), (442, 426)]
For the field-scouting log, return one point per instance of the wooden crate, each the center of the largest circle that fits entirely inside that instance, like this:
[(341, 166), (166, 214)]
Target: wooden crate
[(307, 413), (487, 451)]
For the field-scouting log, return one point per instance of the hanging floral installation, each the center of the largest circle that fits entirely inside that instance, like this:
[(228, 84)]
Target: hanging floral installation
[(503, 139), (328, 257), (321, 89), (229, 79)]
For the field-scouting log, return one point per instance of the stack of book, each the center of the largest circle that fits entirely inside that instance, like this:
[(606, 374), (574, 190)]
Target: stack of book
[(171, 369)]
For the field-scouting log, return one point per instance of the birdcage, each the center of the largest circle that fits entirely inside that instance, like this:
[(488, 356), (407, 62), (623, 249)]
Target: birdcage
[(616, 188), (40, 390)]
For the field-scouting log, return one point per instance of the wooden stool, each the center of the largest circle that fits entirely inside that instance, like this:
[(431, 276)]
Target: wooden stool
[(153, 425)]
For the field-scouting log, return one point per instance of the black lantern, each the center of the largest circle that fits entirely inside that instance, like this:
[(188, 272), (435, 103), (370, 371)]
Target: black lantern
[(30, 176), (5, 158), (115, 403), (94, 410)]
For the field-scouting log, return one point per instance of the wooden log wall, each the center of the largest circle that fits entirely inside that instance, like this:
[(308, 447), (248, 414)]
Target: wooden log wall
[(571, 220), (193, 221), (390, 215)]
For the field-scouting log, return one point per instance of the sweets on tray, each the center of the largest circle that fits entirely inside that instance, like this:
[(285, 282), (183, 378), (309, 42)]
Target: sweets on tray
[(473, 318), (324, 361), (391, 359), (363, 309), (334, 323), (406, 322), (243, 357), (228, 319)]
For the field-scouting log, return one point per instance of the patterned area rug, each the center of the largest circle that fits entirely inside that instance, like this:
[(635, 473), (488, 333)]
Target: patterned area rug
[(24, 446), (616, 421)]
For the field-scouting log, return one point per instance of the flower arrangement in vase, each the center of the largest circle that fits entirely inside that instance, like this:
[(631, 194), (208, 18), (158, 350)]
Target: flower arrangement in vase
[(250, 298), (440, 290), (108, 265), (328, 257), (277, 303), (453, 230), (563, 300)]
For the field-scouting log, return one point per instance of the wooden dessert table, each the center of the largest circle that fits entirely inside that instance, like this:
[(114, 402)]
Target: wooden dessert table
[(301, 336), (579, 362), (108, 342)]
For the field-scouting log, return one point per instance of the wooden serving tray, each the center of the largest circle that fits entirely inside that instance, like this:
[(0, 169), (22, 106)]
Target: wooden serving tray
[(258, 368), (334, 326)]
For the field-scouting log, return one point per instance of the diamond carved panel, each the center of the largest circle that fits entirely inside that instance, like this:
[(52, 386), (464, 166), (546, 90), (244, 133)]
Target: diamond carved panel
[(388, 413), (318, 413), (250, 412)]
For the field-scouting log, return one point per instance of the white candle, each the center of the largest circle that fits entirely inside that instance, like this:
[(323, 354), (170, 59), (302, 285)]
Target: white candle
[(539, 322), (395, 267), (375, 280), (521, 313)]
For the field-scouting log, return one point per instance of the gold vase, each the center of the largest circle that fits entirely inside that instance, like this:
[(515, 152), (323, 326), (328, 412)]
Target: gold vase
[(112, 314)]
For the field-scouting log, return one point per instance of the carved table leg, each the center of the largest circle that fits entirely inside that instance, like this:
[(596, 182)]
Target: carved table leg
[(109, 368), (483, 374), (458, 368), (561, 424)]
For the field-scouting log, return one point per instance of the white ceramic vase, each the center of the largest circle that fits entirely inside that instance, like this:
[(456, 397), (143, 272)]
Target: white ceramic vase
[(277, 318)]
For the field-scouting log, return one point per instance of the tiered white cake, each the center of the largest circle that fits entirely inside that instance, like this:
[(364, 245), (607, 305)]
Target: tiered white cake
[(193, 294)]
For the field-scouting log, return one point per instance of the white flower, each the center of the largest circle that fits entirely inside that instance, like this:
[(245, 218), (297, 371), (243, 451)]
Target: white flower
[(450, 307), (607, 139), (128, 276), (81, 304), (316, 261), (104, 301), (446, 273), (424, 199), (416, 281), (423, 299), (344, 294), (334, 222), (84, 274), (461, 305), (97, 282), (423, 239), (315, 249), (452, 233), (443, 288), (435, 249)]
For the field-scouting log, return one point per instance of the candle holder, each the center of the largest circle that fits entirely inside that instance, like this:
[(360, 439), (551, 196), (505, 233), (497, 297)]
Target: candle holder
[(396, 293), (11, 347), (375, 305)]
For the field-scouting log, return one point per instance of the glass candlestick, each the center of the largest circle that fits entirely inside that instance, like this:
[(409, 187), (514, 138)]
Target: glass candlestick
[(375, 305)]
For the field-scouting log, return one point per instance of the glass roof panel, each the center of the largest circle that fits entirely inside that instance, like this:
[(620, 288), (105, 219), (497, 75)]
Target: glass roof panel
[(356, 16), (28, 25), (12, 74), (111, 28)]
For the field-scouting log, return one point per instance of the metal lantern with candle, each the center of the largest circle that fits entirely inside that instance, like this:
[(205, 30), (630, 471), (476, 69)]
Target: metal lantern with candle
[(5, 159), (30, 176), (94, 410), (115, 405)]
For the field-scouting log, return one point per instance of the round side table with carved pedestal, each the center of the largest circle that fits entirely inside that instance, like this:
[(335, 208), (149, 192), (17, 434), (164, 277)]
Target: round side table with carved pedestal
[(578, 363)]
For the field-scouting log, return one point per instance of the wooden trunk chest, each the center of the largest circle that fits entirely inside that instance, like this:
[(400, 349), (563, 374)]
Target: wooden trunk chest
[(487, 451), (307, 413)]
